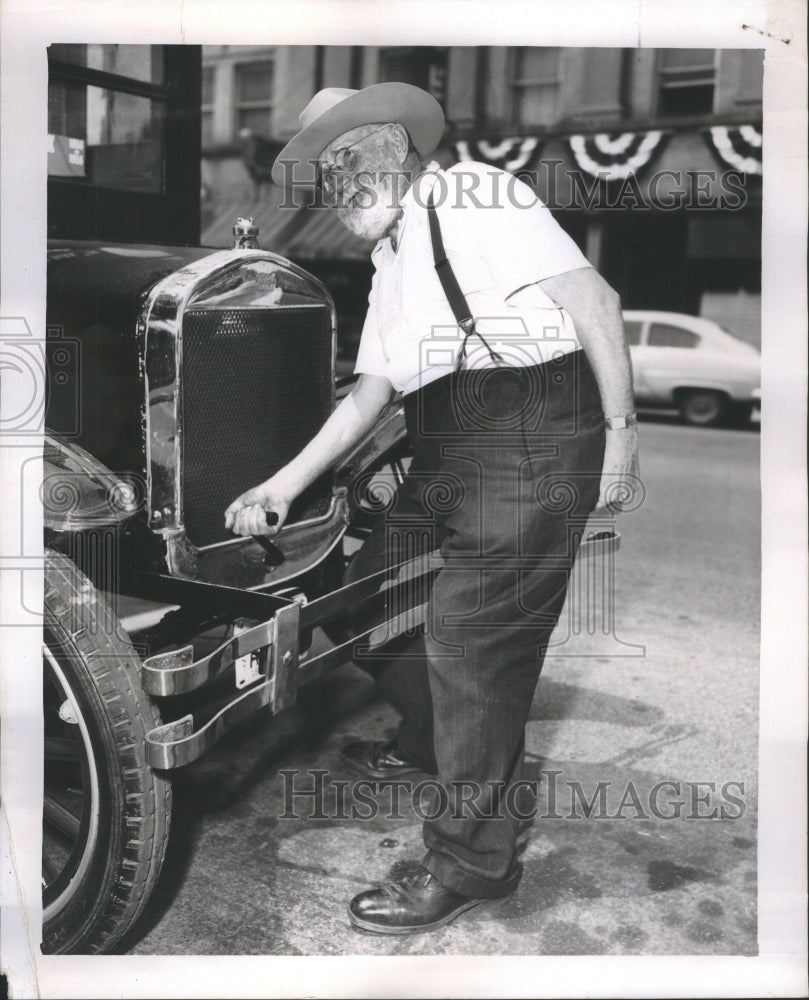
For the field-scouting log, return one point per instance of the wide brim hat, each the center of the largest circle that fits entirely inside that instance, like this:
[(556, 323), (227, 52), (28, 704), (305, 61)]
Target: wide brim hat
[(335, 110)]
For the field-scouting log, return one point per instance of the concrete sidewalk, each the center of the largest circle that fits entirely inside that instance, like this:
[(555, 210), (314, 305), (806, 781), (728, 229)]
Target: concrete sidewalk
[(240, 879)]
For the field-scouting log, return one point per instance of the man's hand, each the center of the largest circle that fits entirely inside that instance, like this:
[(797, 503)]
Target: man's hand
[(620, 474), (260, 511), (596, 313)]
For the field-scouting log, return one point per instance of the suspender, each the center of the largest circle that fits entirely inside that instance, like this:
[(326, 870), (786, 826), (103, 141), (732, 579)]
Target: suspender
[(452, 290)]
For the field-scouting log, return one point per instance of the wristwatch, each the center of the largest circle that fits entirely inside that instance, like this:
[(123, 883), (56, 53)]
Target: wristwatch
[(619, 423)]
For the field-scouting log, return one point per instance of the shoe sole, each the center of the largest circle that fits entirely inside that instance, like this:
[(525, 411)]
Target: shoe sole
[(366, 925)]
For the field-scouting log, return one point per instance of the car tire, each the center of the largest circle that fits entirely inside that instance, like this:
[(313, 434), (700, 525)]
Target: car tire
[(702, 407), (106, 813)]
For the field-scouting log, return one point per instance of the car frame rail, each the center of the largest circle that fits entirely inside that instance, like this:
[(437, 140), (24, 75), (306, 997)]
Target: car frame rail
[(278, 642)]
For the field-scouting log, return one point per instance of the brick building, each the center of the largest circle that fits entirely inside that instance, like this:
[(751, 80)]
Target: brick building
[(649, 158)]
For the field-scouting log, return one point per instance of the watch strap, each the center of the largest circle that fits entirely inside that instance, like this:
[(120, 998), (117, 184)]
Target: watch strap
[(619, 423)]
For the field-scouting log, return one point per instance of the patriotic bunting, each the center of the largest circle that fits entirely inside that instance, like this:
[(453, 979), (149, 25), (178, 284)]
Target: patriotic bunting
[(507, 154), (614, 158), (737, 146)]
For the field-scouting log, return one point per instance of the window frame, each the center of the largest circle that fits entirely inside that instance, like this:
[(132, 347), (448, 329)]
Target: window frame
[(79, 208), (662, 85), (518, 85), (432, 62), (76, 73), (240, 105), (207, 107)]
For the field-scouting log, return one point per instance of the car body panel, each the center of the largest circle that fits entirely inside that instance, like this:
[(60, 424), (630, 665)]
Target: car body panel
[(95, 292), (718, 361), (118, 376)]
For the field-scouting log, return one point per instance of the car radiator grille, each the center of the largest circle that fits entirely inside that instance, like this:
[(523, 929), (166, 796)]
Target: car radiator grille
[(256, 386)]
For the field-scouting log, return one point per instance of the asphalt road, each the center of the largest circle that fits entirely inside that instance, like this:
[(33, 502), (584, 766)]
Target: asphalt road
[(646, 712)]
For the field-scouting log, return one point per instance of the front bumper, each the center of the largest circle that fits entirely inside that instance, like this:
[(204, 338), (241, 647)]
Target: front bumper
[(281, 643), (283, 662)]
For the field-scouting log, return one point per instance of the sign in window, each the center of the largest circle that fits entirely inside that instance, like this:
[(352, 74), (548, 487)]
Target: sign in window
[(112, 138)]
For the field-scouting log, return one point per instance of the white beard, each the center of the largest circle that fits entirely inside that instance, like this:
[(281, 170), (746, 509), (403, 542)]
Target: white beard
[(372, 212)]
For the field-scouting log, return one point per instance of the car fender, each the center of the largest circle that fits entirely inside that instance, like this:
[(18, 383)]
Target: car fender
[(665, 381), (79, 492), (388, 435)]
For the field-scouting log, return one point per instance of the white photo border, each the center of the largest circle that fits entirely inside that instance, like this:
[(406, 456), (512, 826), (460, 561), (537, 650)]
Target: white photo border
[(777, 26)]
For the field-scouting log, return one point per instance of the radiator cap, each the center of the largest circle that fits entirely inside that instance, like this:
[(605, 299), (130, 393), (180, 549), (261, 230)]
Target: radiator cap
[(245, 235)]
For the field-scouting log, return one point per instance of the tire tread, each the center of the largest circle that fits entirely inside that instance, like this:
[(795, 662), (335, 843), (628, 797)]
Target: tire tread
[(130, 715)]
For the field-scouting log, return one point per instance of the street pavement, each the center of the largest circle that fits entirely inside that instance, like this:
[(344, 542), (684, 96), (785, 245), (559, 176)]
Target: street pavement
[(645, 717)]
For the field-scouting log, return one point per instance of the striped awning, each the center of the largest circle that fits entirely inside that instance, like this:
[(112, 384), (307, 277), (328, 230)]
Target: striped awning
[(304, 233), (320, 234)]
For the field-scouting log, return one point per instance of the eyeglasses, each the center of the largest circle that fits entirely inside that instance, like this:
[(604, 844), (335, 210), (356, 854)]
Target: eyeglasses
[(344, 160)]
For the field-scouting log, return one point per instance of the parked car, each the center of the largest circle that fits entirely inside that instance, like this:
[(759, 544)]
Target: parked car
[(177, 378), (694, 365)]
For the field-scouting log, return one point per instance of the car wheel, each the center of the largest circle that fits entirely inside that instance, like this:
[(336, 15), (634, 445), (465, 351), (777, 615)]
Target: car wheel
[(105, 811), (702, 407)]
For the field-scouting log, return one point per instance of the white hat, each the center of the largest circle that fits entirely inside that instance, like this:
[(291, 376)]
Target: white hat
[(335, 110)]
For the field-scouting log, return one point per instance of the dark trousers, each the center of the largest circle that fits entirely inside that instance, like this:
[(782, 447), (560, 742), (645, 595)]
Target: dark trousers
[(506, 468)]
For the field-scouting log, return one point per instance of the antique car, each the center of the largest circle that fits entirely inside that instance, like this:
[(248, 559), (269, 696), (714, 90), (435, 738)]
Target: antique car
[(177, 378), (693, 365)]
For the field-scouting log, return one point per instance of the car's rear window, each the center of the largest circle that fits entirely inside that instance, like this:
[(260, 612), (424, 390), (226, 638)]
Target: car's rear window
[(633, 328), (664, 335)]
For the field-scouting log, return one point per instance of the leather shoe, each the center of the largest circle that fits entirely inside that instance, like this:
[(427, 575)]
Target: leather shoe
[(415, 903), (378, 759)]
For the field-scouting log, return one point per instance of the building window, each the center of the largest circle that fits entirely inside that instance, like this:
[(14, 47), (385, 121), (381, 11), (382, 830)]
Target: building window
[(603, 83), (110, 136), (124, 142), (145, 63), (421, 66), (535, 79), (254, 85), (687, 80), (207, 104)]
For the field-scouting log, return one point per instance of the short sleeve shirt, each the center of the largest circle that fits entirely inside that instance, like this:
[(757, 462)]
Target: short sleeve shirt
[(498, 238)]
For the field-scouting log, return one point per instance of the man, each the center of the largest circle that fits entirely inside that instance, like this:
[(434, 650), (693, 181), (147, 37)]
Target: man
[(508, 420)]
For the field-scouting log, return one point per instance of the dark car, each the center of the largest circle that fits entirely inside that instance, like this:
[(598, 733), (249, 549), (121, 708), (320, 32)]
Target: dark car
[(177, 378)]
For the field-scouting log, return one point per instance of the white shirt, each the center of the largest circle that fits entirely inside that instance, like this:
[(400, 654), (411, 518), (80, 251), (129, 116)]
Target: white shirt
[(499, 238)]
